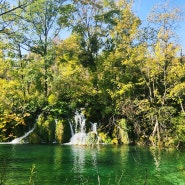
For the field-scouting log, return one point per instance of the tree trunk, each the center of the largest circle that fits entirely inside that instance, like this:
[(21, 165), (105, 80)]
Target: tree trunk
[(156, 131)]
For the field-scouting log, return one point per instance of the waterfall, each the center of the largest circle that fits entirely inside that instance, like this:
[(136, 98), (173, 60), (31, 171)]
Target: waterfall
[(79, 122), (55, 139), (94, 127), (79, 135), (71, 128), (19, 140)]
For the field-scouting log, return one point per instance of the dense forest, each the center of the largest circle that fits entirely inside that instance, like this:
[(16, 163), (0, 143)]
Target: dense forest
[(58, 56)]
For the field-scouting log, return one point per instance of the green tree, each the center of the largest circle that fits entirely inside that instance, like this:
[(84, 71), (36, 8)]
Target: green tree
[(83, 21), (13, 112), (156, 70), (35, 31), (72, 82), (119, 71)]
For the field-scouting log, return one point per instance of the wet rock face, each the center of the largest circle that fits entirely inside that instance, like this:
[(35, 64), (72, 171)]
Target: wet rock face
[(92, 138), (50, 130)]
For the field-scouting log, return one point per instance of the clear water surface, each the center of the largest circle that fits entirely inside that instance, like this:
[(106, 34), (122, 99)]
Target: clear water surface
[(99, 165)]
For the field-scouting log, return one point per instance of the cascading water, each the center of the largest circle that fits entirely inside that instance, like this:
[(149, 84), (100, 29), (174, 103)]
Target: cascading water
[(20, 139), (55, 140), (71, 128), (94, 127), (79, 135)]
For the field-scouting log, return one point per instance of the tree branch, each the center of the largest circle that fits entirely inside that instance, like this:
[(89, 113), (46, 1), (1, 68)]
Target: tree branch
[(13, 9)]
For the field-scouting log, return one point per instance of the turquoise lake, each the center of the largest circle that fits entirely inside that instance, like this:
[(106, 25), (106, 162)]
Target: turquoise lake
[(99, 165)]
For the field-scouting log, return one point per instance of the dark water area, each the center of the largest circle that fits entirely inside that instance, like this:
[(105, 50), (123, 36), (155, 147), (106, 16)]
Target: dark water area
[(99, 165)]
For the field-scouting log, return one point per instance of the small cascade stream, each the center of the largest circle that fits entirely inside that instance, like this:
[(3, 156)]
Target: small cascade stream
[(20, 139), (55, 139), (78, 131)]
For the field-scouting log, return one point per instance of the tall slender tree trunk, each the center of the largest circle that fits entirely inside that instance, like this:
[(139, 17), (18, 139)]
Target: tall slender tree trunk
[(45, 78), (182, 108), (21, 66), (156, 131)]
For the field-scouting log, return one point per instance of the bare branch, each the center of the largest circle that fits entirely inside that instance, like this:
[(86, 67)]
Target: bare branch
[(13, 9)]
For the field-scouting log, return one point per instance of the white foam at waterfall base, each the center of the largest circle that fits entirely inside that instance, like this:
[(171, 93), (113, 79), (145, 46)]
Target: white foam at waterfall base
[(79, 139), (20, 139)]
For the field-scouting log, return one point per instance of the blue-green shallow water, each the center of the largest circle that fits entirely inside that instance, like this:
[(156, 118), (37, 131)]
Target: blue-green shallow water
[(105, 164)]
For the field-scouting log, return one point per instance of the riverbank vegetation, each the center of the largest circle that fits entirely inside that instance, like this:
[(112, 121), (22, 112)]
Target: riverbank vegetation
[(59, 56)]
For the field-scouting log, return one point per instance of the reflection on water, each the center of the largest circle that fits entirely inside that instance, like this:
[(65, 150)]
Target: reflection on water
[(156, 154), (56, 164), (78, 159)]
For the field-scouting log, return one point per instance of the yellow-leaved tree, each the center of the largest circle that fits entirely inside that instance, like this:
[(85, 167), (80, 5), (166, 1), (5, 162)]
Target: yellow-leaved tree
[(158, 74)]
